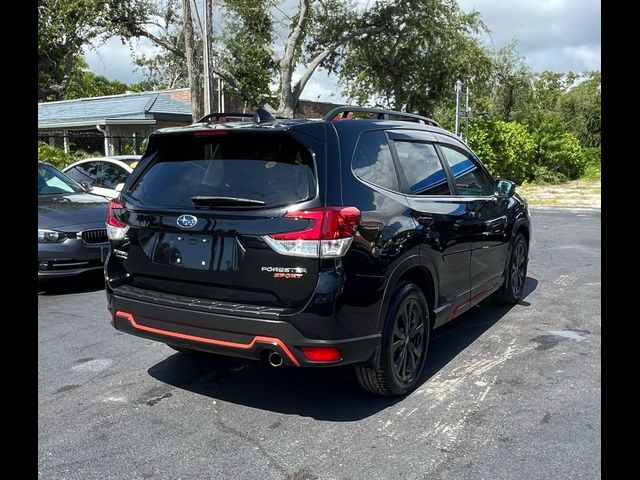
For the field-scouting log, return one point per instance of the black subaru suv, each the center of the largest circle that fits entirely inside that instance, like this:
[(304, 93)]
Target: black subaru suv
[(312, 243)]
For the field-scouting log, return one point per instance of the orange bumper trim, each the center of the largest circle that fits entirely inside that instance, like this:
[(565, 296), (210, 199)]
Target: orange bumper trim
[(212, 341)]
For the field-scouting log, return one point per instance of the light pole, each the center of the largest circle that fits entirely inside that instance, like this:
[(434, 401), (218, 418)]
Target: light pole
[(466, 116), (207, 74), (458, 88)]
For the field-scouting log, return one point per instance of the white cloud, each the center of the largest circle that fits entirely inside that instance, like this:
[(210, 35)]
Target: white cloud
[(113, 59), (558, 35)]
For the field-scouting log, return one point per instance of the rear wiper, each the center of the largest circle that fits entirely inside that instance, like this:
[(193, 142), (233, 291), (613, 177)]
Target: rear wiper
[(208, 201)]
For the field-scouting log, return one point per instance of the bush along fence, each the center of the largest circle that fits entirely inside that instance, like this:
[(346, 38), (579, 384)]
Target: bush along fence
[(94, 142)]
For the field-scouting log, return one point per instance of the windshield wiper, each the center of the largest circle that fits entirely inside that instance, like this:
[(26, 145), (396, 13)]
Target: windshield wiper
[(210, 201)]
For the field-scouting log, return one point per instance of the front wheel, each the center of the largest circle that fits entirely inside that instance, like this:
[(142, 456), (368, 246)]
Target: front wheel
[(511, 291), (405, 339)]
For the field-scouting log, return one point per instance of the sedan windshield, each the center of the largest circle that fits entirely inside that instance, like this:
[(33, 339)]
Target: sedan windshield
[(51, 181)]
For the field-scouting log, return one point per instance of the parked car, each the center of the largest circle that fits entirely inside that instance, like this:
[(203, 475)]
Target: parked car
[(72, 237), (103, 175), (312, 243)]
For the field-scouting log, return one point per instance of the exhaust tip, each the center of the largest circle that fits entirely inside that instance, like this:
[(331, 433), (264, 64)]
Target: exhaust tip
[(275, 359)]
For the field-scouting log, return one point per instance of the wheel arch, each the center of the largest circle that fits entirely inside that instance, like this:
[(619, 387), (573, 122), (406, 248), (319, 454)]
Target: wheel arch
[(411, 270)]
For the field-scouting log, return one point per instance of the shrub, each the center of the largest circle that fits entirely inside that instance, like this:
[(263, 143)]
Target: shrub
[(506, 149), (58, 158), (591, 165), (558, 150)]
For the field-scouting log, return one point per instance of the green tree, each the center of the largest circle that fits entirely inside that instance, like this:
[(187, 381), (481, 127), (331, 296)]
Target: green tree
[(250, 57), (413, 62), (84, 83), (64, 28), (580, 108), (510, 83)]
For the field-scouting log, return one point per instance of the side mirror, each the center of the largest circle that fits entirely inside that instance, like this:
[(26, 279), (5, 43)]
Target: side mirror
[(505, 188), (86, 185), (119, 187)]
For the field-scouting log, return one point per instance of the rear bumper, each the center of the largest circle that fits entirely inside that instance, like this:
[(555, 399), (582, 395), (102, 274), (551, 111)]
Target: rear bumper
[(233, 335)]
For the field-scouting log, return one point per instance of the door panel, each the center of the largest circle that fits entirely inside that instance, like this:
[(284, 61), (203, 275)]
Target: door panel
[(487, 223), (441, 227), (490, 246), (445, 228)]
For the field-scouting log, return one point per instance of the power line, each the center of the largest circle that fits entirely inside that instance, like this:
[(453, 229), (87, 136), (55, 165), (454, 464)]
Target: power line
[(279, 9)]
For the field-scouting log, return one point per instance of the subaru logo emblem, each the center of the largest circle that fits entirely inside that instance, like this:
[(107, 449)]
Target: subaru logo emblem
[(187, 221)]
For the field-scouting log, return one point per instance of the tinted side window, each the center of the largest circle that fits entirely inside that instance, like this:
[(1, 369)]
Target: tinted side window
[(422, 168), (112, 175), (86, 172), (372, 161), (470, 179)]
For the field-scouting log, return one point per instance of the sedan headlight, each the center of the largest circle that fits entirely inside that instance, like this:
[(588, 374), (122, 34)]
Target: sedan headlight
[(52, 236)]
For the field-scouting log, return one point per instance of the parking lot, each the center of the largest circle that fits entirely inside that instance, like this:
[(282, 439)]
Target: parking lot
[(509, 393)]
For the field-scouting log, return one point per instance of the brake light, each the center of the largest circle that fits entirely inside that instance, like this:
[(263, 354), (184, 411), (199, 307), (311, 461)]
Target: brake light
[(327, 232), (116, 229), (322, 354)]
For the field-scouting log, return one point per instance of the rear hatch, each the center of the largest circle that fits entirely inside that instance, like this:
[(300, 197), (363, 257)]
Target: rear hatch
[(199, 208)]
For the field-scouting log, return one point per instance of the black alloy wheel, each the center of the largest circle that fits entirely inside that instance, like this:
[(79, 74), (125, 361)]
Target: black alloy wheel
[(408, 340), (512, 289), (397, 369)]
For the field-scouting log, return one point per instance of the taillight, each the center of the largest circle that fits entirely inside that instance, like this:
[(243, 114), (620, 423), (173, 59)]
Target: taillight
[(327, 232), (116, 229)]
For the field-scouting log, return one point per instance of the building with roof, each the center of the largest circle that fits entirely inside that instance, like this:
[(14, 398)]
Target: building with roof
[(114, 124), (118, 124)]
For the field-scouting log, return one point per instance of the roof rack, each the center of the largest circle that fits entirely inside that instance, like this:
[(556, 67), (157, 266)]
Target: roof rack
[(259, 116), (346, 111)]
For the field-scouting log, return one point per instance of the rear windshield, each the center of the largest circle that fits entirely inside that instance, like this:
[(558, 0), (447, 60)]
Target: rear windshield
[(272, 168)]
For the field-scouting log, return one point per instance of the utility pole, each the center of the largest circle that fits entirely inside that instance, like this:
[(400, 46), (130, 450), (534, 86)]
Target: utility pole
[(206, 38), (458, 88), (466, 116)]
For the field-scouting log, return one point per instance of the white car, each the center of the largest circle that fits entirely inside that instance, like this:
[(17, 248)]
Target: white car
[(103, 175)]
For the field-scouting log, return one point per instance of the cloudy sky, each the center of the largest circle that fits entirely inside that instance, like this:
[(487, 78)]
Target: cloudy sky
[(559, 35)]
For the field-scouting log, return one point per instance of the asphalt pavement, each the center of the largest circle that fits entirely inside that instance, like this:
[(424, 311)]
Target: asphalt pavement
[(509, 393)]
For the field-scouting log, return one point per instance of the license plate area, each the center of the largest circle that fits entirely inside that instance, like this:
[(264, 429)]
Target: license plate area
[(199, 252), (184, 250)]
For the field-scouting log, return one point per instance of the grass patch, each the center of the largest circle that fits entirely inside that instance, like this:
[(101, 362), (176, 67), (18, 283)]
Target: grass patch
[(576, 193)]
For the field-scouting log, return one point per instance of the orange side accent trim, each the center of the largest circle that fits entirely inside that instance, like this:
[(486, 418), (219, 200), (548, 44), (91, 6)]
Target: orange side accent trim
[(486, 291), (245, 346)]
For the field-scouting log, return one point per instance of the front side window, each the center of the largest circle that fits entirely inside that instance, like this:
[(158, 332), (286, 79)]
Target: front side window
[(470, 179), (372, 161), (422, 168), (53, 182)]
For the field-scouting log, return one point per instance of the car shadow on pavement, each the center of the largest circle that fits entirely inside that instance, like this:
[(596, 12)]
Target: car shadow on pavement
[(320, 393), (86, 282)]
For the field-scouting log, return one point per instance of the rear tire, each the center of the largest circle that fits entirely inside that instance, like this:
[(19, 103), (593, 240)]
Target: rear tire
[(405, 339), (511, 290)]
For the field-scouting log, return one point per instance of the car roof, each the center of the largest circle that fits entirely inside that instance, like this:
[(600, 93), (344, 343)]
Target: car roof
[(126, 159)]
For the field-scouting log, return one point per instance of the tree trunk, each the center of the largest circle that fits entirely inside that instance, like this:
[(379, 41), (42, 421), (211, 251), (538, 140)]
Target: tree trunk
[(190, 50), (287, 104)]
